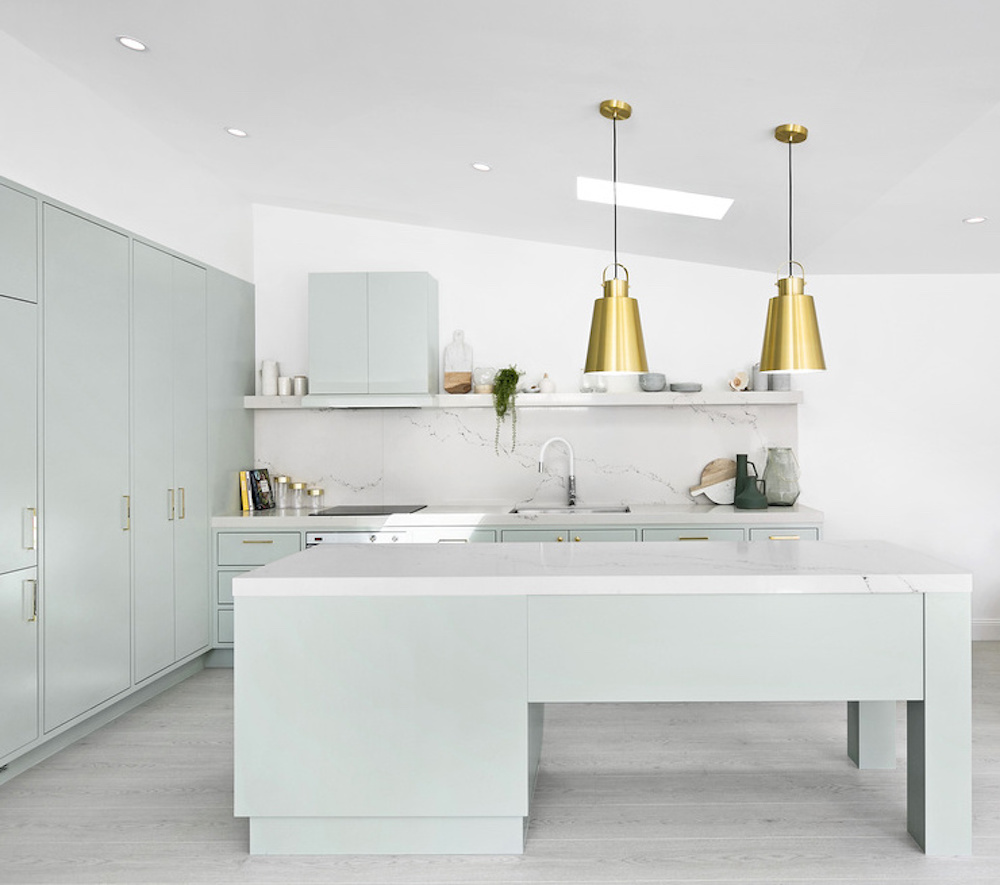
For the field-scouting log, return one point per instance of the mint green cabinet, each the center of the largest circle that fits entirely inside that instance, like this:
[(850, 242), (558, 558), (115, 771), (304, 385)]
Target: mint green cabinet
[(18, 659), (374, 333), (170, 450), (86, 596), (566, 534), (18, 244), (692, 533)]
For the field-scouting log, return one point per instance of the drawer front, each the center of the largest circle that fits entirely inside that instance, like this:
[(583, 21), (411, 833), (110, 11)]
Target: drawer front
[(692, 533), (225, 626), (568, 535), (256, 548), (785, 533), (224, 584)]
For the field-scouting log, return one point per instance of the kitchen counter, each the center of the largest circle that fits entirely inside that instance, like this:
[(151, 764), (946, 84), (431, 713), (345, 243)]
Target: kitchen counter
[(499, 516), (434, 667)]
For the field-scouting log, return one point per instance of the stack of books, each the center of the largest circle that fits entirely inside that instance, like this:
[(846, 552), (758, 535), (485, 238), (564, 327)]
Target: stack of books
[(255, 490)]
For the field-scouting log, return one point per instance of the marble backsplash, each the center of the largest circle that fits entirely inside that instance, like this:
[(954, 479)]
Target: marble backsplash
[(624, 454)]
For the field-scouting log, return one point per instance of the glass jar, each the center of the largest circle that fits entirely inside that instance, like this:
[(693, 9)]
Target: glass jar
[(781, 477), (315, 497), (281, 492), (482, 379), (458, 365), (297, 494)]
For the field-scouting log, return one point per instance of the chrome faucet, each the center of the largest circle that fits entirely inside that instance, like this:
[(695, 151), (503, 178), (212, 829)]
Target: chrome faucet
[(571, 488)]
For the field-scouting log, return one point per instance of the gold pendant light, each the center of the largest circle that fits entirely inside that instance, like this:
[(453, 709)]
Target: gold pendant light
[(616, 343), (791, 334)]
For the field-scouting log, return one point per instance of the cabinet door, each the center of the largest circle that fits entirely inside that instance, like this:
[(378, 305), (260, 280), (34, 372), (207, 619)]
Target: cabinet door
[(153, 495), (692, 533), (86, 601), (338, 333), (190, 443), (18, 660), (785, 533), (402, 333), (18, 244), (19, 397)]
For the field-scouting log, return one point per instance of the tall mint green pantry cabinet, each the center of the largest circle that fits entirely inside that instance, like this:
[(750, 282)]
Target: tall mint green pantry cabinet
[(18, 446), (86, 615), (170, 454)]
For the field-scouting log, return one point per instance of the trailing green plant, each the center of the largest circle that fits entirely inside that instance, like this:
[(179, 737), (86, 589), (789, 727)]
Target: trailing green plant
[(504, 394)]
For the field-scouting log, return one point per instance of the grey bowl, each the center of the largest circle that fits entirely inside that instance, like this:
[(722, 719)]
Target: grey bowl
[(652, 381)]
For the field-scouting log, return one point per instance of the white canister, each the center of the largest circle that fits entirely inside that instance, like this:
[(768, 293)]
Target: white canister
[(284, 385), (269, 378), (300, 385)]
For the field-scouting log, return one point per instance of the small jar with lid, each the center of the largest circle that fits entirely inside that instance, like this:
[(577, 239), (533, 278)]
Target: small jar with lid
[(297, 495), (315, 497), (282, 496)]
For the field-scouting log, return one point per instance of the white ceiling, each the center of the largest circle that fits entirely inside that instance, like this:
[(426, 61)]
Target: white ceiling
[(376, 108)]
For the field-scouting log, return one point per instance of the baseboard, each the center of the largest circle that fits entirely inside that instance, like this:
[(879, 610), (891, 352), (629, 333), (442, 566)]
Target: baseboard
[(986, 630), (63, 739), (219, 657)]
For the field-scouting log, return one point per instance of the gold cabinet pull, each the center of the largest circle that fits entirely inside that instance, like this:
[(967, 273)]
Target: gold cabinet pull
[(183, 505), (577, 538), (29, 600), (783, 538), (170, 504), (29, 528), (261, 541), (705, 538), (559, 538), (126, 513)]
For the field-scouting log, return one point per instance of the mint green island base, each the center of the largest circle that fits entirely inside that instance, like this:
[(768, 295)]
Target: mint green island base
[(389, 699)]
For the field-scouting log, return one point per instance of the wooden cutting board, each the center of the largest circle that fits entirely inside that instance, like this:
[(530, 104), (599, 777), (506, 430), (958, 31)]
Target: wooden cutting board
[(715, 472)]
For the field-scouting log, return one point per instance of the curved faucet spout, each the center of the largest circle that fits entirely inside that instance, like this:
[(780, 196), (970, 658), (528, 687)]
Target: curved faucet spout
[(571, 483)]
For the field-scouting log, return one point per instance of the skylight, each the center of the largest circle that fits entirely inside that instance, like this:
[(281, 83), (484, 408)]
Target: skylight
[(655, 199)]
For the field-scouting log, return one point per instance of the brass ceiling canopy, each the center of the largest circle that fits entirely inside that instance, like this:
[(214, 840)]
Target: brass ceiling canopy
[(616, 343), (791, 333)]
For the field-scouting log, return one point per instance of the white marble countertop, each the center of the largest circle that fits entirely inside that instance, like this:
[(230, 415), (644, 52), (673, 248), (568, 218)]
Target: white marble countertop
[(499, 515), (608, 568)]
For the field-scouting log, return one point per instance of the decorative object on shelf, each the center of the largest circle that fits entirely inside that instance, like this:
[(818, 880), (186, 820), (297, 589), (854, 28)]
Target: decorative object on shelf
[(750, 493), (780, 381), (546, 385), (300, 385), (652, 382), (282, 492), (616, 343), (297, 495), (284, 385), (458, 364), (268, 378), (718, 481), (504, 395), (781, 477), (739, 381), (758, 380), (791, 334), (482, 379), (315, 498), (685, 387)]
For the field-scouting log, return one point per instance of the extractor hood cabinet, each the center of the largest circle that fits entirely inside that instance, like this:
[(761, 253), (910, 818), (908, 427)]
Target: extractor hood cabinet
[(372, 334)]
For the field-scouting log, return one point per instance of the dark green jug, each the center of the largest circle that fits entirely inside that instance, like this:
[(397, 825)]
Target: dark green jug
[(749, 487)]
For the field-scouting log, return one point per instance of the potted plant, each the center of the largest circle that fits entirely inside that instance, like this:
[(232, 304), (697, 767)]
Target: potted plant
[(504, 393)]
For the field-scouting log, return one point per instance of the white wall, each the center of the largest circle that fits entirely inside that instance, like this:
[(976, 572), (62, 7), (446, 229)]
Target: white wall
[(895, 440), (65, 141)]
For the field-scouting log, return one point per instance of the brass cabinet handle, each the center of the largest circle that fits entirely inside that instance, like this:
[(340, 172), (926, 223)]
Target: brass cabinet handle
[(694, 539), (170, 508), (126, 513), (183, 505), (559, 538), (262, 541), (29, 528), (783, 538), (577, 538), (29, 600)]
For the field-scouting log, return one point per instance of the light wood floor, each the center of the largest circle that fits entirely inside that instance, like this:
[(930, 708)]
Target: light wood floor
[(626, 793)]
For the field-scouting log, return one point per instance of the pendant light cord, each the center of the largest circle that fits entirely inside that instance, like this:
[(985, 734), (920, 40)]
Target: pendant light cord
[(614, 183), (789, 207)]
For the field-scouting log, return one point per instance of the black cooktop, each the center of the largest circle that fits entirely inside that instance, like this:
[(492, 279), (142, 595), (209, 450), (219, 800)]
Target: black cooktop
[(368, 509)]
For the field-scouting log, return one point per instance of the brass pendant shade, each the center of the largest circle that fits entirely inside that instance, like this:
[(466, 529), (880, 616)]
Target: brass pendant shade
[(791, 333), (616, 343)]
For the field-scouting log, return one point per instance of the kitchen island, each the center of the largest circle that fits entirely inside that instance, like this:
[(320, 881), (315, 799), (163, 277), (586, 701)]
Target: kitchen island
[(390, 699)]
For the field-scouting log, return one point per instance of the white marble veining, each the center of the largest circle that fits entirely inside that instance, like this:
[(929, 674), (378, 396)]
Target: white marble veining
[(634, 455), (807, 567)]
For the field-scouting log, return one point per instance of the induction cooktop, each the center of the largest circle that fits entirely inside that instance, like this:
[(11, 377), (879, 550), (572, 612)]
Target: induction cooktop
[(368, 509)]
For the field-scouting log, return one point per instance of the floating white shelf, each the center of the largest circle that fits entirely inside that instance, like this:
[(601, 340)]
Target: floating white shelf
[(530, 400)]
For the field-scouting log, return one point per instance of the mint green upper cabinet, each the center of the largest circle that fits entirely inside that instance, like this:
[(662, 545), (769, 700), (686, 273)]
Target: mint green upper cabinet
[(374, 333), (18, 244), (170, 452), (18, 440), (86, 614)]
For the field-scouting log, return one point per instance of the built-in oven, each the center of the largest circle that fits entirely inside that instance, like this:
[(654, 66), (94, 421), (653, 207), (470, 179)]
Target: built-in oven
[(314, 539)]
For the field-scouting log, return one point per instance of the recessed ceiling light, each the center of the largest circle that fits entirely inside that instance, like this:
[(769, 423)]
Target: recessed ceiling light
[(236, 133), (656, 199), (975, 219), (481, 167), (131, 43)]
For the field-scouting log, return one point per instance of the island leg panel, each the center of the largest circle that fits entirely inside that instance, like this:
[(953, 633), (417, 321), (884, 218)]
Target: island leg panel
[(871, 733), (359, 721)]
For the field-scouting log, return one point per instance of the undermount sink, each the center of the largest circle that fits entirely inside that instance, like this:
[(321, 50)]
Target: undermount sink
[(556, 510)]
